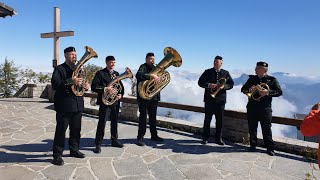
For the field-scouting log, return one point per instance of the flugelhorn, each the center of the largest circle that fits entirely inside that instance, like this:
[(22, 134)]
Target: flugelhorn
[(109, 98), (254, 94), (80, 72), (221, 82), (147, 89)]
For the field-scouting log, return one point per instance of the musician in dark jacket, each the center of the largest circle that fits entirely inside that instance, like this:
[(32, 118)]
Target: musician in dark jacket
[(149, 106), (215, 79), (68, 107), (259, 105), (101, 81)]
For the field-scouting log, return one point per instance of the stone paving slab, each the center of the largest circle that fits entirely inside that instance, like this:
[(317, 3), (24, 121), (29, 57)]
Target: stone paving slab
[(26, 133)]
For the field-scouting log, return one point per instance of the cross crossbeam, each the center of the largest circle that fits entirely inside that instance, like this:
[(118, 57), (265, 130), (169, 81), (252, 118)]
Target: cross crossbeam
[(56, 34)]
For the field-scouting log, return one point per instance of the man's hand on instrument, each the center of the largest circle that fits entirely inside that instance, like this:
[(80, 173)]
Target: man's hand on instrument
[(86, 86), (110, 89), (155, 77), (221, 86), (119, 96), (212, 86), (252, 88), (263, 92), (76, 80)]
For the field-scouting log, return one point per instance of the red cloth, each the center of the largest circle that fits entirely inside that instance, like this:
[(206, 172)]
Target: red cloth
[(311, 127)]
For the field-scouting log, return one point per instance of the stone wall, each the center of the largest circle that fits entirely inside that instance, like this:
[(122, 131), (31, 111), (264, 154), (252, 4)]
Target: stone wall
[(235, 129), (34, 90), (41, 90), (129, 112)]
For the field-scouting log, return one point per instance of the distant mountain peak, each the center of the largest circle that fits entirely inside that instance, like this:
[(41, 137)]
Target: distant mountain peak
[(244, 75)]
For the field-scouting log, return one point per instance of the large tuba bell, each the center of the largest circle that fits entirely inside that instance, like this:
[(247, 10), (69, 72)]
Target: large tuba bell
[(254, 94), (80, 72), (147, 89), (221, 82), (110, 98)]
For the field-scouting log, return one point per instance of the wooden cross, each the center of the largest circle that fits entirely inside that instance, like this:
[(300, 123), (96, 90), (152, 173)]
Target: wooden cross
[(56, 34)]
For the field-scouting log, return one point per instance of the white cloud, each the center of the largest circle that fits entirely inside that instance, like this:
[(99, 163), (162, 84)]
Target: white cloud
[(182, 90), (236, 100), (283, 108)]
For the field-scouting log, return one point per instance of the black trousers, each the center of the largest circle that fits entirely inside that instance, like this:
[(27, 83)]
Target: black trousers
[(264, 115), (107, 113), (65, 119), (218, 110), (149, 107)]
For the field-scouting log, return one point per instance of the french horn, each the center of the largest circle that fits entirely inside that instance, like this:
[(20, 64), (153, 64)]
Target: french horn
[(109, 98)]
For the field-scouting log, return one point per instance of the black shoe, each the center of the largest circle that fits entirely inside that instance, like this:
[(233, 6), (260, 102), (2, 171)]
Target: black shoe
[(140, 142), (252, 148), (157, 138), (77, 154), (220, 142), (98, 149), (204, 142), (116, 143), (58, 161), (270, 152)]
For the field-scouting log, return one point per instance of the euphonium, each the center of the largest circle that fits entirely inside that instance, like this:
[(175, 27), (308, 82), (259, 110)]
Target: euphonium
[(80, 72), (254, 94), (214, 91), (147, 89), (110, 98)]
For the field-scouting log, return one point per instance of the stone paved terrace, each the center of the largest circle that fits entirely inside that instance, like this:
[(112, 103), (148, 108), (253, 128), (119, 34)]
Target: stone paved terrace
[(27, 128)]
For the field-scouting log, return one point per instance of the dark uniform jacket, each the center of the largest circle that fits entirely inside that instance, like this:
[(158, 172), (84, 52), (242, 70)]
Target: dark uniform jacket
[(212, 76), (64, 98), (275, 89), (142, 75), (101, 80)]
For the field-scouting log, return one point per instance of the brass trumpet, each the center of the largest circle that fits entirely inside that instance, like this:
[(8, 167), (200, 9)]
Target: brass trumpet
[(221, 82), (254, 94)]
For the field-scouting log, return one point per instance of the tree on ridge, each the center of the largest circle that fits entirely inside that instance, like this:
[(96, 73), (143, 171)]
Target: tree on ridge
[(8, 78)]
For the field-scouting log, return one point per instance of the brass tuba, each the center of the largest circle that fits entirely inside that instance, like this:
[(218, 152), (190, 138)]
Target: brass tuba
[(254, 94), (80, 72), (147, 89), (110, 98), (214, 91)]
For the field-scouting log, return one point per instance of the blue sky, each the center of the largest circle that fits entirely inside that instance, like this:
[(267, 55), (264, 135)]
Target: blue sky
[(286, 33)]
